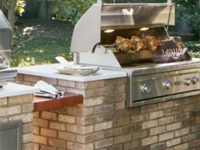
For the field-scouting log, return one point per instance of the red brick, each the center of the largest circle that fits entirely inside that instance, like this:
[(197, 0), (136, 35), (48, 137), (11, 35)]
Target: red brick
[(67, 136), (40, 123), (44, 147), (48, 115), (48, 132), (57, 143), (56, 125), (39, 139), (36, 114), (36, 146), (36, 130)]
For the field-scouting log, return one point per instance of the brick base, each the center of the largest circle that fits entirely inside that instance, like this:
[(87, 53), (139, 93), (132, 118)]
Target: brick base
[(103, 122), (19, 108)]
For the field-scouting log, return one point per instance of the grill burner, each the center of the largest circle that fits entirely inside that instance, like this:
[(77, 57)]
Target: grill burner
[(148, 82)]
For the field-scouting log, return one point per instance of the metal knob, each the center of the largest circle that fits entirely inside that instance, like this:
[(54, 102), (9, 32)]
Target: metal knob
[(188, 81), (195, 80), (167, 84), (146, 88)]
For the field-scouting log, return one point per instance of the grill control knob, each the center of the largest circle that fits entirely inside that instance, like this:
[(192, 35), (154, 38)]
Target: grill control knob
[(188, 81), (146, 88), (195, 80), (167, 84)]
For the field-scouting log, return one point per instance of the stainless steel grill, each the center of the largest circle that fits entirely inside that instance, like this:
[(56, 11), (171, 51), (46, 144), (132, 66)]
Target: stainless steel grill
[(6, 74), (92, 44)]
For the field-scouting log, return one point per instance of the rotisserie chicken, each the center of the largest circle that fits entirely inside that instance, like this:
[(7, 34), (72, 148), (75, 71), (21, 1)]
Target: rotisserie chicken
[(151, 42), (138, 43), (123, 44)]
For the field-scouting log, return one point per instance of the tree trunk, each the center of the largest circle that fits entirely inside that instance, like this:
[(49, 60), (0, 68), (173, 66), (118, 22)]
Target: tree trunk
[(43, 10), (49, 8), (11, 13)]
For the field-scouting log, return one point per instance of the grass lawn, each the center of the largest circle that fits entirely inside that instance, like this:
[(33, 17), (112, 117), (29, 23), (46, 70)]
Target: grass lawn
[(41, 50)]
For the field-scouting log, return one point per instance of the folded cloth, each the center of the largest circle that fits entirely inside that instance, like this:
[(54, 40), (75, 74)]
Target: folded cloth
[(47, 90)]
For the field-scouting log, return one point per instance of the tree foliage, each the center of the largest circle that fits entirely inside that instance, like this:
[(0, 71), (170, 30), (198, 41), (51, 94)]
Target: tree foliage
[(13, 7), (69, 10), (19, 9), (187, 11)]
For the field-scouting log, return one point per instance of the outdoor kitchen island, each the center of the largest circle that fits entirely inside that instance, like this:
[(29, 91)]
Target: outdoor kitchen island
[(103, 122)]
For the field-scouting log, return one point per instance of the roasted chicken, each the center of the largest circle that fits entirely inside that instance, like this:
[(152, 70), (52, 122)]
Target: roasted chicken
[(123, 44), (151, 42), (138, 43)]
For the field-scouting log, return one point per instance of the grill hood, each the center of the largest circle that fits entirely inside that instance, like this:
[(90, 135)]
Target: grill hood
[(6, 74), (100, 17), (5, 33), (5, 42)]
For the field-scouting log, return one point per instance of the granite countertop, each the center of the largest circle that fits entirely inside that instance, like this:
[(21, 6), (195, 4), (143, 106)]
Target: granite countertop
[(49, 71), (12, 89)]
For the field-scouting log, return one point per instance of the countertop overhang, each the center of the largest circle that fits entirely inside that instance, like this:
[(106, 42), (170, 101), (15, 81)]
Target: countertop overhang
[(12, 89), (70, 99), (49, 71)]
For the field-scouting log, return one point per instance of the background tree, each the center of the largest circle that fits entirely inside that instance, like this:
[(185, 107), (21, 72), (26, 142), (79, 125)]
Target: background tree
[(70, 11), (12, 7)]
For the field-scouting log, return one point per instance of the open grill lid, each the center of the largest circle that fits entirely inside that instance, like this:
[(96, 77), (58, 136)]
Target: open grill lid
[(5, 33), (137, 15), (87, 31)]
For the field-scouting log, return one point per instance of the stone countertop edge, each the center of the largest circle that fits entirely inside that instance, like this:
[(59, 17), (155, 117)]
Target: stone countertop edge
[(49, 71), (12, 89)]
